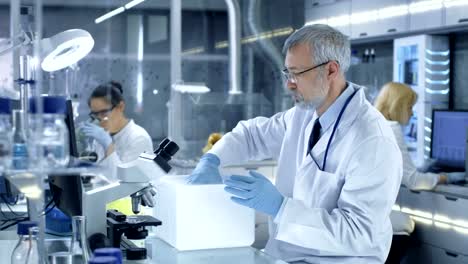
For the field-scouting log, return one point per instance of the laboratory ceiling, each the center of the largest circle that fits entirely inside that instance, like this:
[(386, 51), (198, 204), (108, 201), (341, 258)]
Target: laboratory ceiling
[(159, 4)]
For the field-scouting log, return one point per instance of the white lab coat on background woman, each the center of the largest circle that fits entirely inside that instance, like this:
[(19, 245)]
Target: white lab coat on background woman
[(129, 143)]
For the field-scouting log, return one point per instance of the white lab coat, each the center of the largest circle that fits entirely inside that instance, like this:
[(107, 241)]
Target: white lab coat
[(402, 224), (129, 143), (335, 215), (412, 178)]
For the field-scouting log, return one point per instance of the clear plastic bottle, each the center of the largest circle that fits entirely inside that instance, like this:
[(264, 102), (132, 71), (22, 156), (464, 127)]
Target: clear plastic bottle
[(54, 141), (49, 133), (25, 250), (19, 150), (5, 134), (32, 257)]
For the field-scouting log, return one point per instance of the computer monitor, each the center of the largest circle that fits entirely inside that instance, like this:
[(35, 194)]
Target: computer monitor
[(8, 192), (67, 189), (449, 130)]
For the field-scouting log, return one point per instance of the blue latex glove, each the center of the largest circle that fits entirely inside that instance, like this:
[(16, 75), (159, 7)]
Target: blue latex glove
[(255, 191), (98, 133), (207, 171), (453, 177)]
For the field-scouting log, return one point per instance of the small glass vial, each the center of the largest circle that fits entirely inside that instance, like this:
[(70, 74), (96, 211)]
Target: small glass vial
[(19, 153)]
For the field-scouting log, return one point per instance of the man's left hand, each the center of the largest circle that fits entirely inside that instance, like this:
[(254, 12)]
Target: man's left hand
[(254, 191)]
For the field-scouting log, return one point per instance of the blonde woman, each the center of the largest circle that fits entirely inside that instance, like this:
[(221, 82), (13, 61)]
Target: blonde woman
[(395, 101)]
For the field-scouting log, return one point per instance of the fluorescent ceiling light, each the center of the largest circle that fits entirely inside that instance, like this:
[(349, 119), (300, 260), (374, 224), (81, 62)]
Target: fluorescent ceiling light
[(442, 225), (421, 220), (133, 3), (452, 3), (424, 6), (191, 88), (460, 230), (393, 11), (338, 21), (195, 50), (364, 17), (320, 21), (252, 38), (221, 44), (109, 15)]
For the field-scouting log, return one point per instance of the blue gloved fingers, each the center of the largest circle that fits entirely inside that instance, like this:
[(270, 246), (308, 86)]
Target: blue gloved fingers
[(243, 202), (242, 178), (89, 129), (244, 194), (190, 179), (90, 125), (239, 184), (257, 175), (87, 132), (211, 158), (86, 127), (206, 171)]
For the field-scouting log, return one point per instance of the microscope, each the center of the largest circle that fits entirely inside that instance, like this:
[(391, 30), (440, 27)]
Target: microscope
[(135, 179)]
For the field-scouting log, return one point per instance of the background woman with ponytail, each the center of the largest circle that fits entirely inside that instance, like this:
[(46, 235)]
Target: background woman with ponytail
[(117, 138)]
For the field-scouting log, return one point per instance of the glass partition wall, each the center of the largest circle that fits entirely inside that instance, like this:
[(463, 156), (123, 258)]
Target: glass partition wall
[(133, 44)]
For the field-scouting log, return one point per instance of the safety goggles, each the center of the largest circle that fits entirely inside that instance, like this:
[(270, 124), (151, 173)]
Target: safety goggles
[(99, 115)]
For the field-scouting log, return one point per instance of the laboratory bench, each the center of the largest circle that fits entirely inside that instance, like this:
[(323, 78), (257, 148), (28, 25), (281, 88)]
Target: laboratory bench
[(160, 252), (441, 223)]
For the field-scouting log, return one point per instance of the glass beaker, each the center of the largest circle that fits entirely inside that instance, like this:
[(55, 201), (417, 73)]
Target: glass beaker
[(79, 243)]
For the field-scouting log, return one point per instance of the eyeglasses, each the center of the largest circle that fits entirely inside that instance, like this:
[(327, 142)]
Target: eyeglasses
[(292, 76), (100, 114)]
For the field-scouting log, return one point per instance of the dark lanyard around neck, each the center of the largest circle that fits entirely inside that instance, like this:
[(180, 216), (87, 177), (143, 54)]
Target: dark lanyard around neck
[(334, 130)]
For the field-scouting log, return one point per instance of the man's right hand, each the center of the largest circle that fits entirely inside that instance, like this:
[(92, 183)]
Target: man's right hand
[(207, 171)]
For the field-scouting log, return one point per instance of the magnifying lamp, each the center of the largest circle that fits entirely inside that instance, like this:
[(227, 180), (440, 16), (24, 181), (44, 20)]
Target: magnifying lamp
[(59, 51), (65, 49)]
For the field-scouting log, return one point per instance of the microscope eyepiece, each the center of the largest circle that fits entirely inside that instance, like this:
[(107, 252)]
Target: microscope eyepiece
[(162, 145), (171, 148), (164, 153)]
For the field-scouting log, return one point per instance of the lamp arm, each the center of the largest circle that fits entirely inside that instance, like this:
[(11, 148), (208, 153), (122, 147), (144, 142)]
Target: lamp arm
[(22, 39)]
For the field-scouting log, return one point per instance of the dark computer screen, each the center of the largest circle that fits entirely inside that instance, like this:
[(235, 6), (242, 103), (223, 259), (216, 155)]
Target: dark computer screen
[(67, 189), (449, 130), (71, 129)]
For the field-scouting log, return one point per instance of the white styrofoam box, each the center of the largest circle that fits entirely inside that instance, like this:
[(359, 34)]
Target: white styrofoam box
[(171, 255), (201, 216)]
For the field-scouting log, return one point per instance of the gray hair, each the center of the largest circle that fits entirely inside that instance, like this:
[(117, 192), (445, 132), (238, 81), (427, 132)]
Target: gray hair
[(325, 42)]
